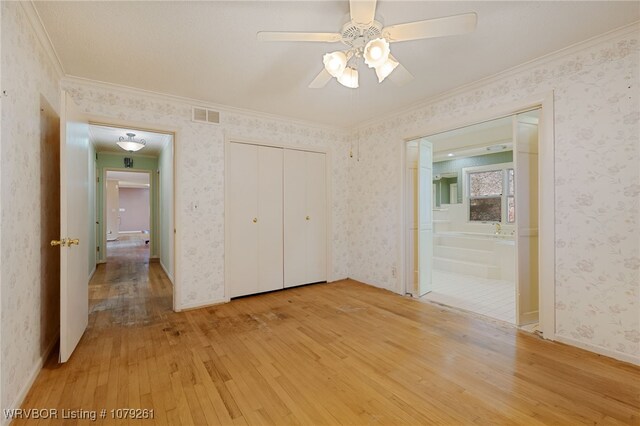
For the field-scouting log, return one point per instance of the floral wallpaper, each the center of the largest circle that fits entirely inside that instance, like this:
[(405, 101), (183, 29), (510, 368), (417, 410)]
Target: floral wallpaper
[(26, 76), (597, 157), (597, 128), (200, 177)]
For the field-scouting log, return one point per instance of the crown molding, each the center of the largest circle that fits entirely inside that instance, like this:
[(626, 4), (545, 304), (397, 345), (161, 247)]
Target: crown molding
[(632, 28), (43, 36), (191, 102)]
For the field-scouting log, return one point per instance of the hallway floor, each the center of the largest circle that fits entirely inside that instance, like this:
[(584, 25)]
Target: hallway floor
[(338, 353), (492, 298)]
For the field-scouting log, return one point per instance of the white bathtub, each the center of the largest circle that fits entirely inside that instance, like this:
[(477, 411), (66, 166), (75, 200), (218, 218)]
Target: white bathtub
[(486, 255)]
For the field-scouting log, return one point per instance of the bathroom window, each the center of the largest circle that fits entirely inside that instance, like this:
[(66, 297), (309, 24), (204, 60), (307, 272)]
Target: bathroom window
[(490, 193), (485, 196)]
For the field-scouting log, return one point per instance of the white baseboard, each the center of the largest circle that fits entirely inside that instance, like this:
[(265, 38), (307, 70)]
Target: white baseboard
[(17, 403), (166, 272), (92, 272), (198, 305), (598, 349)]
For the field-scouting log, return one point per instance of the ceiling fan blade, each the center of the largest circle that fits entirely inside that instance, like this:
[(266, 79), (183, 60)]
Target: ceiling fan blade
[(290, 36), (400, 76), (362, 11), (439, 27), (321, 80)]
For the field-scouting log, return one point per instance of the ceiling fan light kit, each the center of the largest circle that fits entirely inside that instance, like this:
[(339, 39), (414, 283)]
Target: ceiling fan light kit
[(384, 70), (376, 52), (367, 38), (349, 78), (335, 63)]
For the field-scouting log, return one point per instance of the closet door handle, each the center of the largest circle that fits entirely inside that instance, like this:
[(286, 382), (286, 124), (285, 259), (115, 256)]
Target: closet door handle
[(308, 218), (255, 220)]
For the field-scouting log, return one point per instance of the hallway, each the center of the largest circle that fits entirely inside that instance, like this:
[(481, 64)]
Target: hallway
[(321, 354)]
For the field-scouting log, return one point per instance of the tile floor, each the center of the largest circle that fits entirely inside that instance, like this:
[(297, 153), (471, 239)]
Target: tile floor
[(492, 298)]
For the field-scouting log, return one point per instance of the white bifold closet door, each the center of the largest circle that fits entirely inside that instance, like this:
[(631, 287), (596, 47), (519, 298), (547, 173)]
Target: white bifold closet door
[(255, 197), (305, 218)]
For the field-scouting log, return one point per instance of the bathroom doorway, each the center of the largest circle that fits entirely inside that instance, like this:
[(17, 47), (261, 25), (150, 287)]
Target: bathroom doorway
[(481, 254)]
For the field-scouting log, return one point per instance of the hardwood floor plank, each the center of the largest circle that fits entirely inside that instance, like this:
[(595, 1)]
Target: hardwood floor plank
[(339, 353)]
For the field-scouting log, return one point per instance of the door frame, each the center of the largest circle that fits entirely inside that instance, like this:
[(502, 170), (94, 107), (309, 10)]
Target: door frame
[(173, 132), (152, 187), (329, 237), (546, 192)]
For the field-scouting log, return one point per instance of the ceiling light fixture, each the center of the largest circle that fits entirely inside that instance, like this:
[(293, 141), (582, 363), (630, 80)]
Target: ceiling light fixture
[(386, 68), (335, 63), (130, 143), (451, 154), (376, 52), (349, 78)]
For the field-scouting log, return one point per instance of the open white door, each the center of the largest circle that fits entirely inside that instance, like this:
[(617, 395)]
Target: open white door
[(425, 217), (525, 161), (74, 226)]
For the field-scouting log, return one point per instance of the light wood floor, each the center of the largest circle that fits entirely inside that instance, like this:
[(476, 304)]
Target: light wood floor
[(341, 353)]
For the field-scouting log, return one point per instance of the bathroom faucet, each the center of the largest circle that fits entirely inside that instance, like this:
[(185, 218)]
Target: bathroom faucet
[(498, 228)]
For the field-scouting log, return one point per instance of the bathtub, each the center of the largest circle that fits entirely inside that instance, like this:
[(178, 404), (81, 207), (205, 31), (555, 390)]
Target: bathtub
[(481, 254)]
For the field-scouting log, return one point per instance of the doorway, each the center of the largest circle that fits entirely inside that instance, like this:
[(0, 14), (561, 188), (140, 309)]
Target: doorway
[(128, 214), (482, 252), (49, 224), (134, 213)]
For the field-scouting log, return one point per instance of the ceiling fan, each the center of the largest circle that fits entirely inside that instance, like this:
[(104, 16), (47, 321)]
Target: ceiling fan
[(367, 38)]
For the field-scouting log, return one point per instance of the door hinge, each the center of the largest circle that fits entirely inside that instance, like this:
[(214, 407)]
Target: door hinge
[(97, 248), (98, 179)]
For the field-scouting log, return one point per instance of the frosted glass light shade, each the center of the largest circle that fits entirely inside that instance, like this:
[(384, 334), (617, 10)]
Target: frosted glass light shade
[(383, 71), (130, 146), (130, 143), (376, 52), (349, 78), (335, 63)]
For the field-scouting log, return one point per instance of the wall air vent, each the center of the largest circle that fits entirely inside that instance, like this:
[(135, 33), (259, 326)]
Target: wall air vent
[(203, 115)]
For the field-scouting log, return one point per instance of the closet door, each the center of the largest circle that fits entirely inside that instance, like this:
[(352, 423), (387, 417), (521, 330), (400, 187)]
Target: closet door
[(316, 218), (305, 222), (270, 238), (242, 193), (295, 213)]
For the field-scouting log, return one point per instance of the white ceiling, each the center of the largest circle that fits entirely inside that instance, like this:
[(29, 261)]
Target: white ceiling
[(208, 50), (104, 139)]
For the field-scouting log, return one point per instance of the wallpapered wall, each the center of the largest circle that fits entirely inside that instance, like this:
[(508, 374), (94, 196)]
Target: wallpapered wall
[(199, 152), (597, 114), (26, 75)]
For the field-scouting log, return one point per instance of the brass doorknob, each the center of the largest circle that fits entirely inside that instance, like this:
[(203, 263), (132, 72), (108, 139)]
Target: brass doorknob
[(61, 242), (72, 242), (308, 218), (255, 220)]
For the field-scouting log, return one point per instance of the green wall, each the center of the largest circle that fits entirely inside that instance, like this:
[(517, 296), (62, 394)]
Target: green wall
[(456, 165), (111, 161)]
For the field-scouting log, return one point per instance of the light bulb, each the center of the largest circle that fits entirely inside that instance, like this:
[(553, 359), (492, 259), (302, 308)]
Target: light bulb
[(349, 78), (383, 70), (335, 63), (376, 52)]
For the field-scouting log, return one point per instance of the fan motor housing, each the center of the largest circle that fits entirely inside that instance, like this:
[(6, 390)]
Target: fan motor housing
[(358, 35)]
